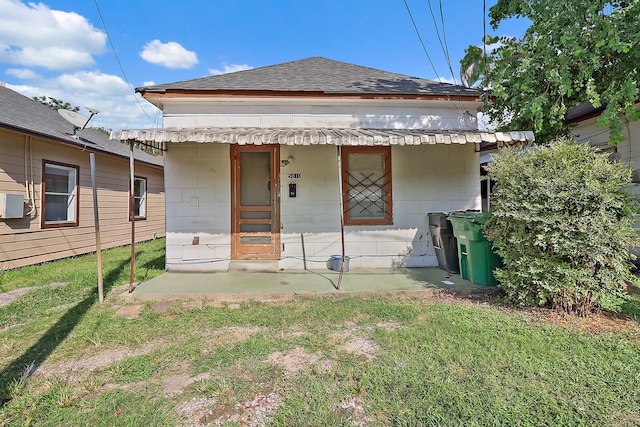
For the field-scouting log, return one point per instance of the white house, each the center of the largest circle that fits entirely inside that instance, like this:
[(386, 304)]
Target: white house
[(584, 119), (267, 163)]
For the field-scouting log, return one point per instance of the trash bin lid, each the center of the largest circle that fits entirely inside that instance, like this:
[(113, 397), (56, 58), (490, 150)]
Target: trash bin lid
[(469, 216), (438, 219)]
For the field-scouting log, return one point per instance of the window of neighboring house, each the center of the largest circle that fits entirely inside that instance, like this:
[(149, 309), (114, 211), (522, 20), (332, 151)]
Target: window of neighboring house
[(140, 198), (60, 195), (366, 177)]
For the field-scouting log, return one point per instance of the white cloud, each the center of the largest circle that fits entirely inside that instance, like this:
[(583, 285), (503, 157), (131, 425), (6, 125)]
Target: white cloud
[(35, 35), (23, 73), (119, 107), (170, 55), (230, 69)]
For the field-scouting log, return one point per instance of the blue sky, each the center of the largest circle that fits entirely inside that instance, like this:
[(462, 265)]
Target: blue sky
[(65, 48)]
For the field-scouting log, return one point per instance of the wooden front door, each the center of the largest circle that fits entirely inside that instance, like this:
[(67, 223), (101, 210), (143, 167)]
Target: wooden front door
[(255, 202)]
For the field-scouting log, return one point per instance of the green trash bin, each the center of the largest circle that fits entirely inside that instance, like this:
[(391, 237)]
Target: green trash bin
[(475, 255)]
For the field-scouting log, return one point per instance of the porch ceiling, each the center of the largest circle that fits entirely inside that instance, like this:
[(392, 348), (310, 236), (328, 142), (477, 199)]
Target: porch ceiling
[(321, 136)]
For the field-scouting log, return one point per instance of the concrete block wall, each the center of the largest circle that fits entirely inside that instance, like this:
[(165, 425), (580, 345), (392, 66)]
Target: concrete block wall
[(427, 178), (198, 197)]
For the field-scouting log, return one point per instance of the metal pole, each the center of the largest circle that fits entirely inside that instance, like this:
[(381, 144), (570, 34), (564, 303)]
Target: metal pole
[(341, 213), (132, 217), (488, 195), (96, 220)]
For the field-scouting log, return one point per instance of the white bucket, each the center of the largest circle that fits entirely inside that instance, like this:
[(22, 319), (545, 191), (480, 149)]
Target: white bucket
[(335, 263)]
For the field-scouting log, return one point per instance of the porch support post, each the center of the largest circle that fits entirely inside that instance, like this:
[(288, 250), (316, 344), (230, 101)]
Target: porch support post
[(96, 220), (132, 216), (339, 147)]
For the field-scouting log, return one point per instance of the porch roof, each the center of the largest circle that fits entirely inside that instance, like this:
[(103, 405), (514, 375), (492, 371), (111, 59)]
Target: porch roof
[(322, 136)]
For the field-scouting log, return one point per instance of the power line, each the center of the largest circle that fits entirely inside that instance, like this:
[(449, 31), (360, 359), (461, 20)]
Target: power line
[(459, 107), (445, 50), (420, 38), (444, 37), (115, 53), (484, 35)]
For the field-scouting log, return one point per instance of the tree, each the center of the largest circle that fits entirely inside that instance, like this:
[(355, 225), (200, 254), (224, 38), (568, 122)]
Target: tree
[(55, 104), (562, 221), (574, 52)]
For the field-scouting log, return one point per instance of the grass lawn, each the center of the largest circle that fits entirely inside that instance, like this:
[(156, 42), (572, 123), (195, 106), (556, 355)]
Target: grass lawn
[(346, 360)]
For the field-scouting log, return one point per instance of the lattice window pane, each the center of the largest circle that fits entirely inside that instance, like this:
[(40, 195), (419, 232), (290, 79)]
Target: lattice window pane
[(368, 182)]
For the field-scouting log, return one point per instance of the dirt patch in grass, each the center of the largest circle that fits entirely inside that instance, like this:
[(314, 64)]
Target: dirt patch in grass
[(362, 347), (389, 326), (352, 343), (295, 360), (208, 412), (130, 311), (96, 362), (7, 298), (596, 323), (177, 382), (355, 409), (230, 335)]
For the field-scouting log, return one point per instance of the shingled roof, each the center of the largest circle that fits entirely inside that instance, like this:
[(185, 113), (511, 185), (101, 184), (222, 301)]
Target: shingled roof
[(22, 114), (316, 74)]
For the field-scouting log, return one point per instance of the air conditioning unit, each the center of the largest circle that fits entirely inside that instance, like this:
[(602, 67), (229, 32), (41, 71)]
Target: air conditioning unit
[(11, 206)]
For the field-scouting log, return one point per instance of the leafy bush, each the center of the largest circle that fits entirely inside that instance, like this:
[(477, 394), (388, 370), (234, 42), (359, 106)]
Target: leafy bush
[(562, 221)]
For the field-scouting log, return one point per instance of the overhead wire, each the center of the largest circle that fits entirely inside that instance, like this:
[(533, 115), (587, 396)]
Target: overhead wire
[(484, 34), (415, 26), (445, 51), (115, 53), (444, 37), (460, 107)]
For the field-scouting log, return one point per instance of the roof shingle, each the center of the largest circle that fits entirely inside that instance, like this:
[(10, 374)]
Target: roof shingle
[(23, 114), (316, 74)]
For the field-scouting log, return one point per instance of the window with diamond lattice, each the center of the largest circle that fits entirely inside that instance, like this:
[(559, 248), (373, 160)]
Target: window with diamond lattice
[(366, 178)]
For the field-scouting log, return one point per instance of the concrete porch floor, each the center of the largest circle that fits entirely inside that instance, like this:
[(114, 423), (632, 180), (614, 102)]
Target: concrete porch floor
[(235, 286)]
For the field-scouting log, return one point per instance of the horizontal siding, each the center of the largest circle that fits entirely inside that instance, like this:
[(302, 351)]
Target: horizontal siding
[(24, 242)]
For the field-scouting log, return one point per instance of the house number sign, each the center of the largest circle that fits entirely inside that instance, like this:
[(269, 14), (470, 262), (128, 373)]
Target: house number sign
[(295, 175)]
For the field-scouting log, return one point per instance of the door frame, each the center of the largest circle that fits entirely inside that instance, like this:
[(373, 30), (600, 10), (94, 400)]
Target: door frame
[(255, 252)]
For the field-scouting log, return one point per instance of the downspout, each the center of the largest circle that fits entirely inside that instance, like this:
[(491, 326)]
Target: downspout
[(28, 183), (33, 184)]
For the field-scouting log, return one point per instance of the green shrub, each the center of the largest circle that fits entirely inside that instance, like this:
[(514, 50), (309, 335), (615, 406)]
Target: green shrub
[(562, 221)]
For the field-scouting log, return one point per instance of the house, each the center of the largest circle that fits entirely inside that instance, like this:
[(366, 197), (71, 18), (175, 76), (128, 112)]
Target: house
[(46, 195), (271, 163), (583, 120)]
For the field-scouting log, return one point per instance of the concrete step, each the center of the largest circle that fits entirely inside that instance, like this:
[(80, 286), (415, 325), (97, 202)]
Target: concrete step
[(253, 266)]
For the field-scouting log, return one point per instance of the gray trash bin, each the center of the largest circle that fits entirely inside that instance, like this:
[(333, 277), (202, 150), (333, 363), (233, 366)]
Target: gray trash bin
[(444, 242)]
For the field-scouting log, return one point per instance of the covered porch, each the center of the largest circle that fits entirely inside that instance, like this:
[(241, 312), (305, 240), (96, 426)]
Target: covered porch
[(309, 204)]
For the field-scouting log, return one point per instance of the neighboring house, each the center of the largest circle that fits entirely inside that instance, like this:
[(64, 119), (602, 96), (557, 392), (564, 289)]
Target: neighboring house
[(584, 118), (46, 197), (259, 163)]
